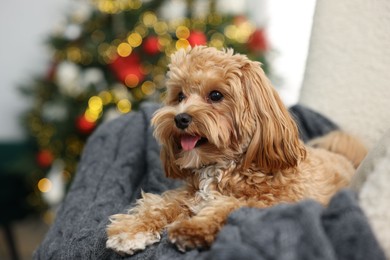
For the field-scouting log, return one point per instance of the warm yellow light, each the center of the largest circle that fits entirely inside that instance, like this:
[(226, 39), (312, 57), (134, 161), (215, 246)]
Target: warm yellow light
[(124, 106), (122, 5), (74, 54), (160, 28), (124, 49), (44, 185), (131, 80), (245, 29), (135, 4), (230, 31), (182, 32), (217, 40), (92, 115), (141, 30), (108, 6), (134, 39), (182, 43), (95, 103), (164, 40), (148, 88), (149, 19)]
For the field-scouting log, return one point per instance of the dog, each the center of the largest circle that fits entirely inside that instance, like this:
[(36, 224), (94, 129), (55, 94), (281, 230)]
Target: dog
[(226, 133)]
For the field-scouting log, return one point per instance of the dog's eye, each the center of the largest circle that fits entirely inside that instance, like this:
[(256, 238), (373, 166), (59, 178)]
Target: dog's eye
[(215, 96), (180, 97)]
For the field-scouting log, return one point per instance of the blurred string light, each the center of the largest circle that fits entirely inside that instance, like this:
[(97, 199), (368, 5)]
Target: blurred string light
[(116, 6), (95, 109), (148, 88), (106, 97), (240, 32), (171, 36), (44, 185), (149, 19), (124, 49), (124, 106), (134, 39), (149, 24)]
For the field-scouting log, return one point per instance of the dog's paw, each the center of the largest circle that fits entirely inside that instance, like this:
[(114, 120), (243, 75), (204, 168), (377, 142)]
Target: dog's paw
[(188, 234), (127, 244)]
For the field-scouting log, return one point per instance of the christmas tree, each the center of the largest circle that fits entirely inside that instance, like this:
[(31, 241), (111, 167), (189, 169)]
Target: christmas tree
[(110, 56)]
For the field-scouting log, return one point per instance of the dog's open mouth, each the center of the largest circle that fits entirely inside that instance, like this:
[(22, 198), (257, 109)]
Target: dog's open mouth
[(189, 142)]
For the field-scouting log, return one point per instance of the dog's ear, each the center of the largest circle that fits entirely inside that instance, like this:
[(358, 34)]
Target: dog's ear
[(275, 143), (168, 161)]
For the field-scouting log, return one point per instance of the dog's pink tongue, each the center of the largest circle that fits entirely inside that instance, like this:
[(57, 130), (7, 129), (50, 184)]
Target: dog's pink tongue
[(188, 142)]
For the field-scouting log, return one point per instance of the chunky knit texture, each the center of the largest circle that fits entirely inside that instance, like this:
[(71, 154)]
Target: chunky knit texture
[(122, 157)]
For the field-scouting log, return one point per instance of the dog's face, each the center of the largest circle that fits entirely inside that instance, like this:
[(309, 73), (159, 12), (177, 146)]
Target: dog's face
[(219, 108)]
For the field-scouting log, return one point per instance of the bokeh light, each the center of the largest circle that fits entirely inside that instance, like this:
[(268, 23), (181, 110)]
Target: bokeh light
[(124, 106), (45, 185)]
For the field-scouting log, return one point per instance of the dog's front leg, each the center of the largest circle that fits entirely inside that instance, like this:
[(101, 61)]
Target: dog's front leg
[(129, 233), (201, 229)]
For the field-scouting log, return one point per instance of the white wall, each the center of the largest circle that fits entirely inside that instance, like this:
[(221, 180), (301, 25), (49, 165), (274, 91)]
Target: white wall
[(348, 68), (25, 24), (289, 31)]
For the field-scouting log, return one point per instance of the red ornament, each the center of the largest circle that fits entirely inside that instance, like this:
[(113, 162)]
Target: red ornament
[(257, 41), (51, 71), (44, 158), (151, 45), (197, 38), (84, 126), (128, 69)]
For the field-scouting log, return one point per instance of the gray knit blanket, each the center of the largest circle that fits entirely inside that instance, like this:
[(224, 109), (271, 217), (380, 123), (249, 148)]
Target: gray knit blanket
[(122, 157)]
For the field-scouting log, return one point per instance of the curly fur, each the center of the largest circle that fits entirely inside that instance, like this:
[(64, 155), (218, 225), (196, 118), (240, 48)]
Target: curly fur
[(248, 153)]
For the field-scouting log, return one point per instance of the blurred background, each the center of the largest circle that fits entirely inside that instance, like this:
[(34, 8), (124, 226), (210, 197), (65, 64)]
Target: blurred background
[(69, 65)]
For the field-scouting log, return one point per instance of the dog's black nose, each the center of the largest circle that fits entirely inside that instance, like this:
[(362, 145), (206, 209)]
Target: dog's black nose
[(183, 120)]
